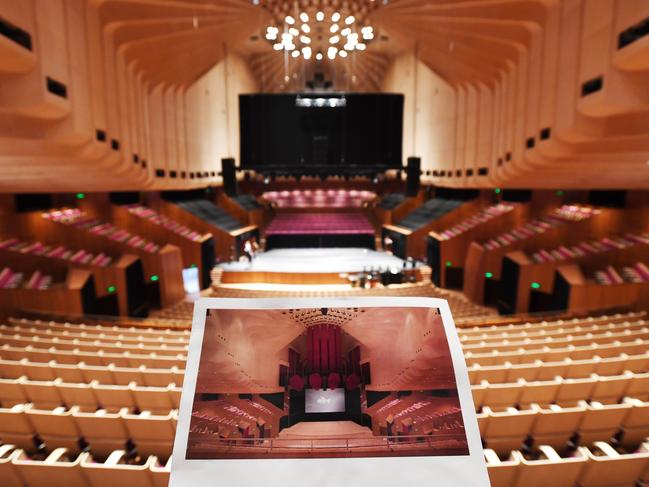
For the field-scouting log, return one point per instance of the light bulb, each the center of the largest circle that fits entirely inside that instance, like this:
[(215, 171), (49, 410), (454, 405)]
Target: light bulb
[(334, 28), (368, 36), (335, 17), (278, 46), (304, 17), (271, 36), (319, 16), (318, 56), (305, 28), (342, 53), (294, 32), (331, 55), (345, 32), (334, 39), (295, 53), (350, 20), (305, 40), (360, 47), (289, 20)]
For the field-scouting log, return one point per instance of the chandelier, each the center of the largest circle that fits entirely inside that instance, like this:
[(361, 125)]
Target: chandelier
[(320, 28)]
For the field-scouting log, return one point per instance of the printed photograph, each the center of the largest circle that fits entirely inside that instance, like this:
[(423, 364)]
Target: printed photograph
[(323, 383)]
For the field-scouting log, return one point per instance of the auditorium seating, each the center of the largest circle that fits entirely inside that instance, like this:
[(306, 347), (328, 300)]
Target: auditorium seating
[(206, 216), (529, 278), (431, 210), (209, 212), (447, 248), (197, 248), (484, 259), (62, 468), (68, 293), (247, 202), (579, 287), (586, 393), (119, 274), (162, 263), (408, 234), (391, 200), (318, 198)]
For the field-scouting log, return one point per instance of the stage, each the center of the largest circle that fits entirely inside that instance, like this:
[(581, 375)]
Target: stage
[(325, 429), (309, 266)]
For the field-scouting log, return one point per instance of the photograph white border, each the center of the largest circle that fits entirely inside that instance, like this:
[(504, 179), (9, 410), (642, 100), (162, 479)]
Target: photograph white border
[(420, 471)]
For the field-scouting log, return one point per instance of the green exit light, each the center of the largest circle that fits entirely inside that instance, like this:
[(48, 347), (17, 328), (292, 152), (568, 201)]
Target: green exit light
[(154, 278), (449, 263), (193, 266), (497, 190), (559, 193), (81, 196), (488, 275), (535, 285), (111, 289)]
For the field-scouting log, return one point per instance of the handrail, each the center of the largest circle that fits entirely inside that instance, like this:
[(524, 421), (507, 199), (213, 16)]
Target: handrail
[(320, 443)]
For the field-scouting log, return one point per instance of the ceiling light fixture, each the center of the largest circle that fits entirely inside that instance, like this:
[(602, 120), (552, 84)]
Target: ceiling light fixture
[(319, 28)]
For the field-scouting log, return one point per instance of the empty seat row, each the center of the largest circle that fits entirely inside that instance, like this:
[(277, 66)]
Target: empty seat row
[(567, 368), (125, 359), (101, 431), (561, 341), (81, 372), (555, 333), (509, 428), (608, 389), (88, 396), (63, 469), (17, 340), (547, 354), (548, 326), (105, 329), (91, 336), (599, 465)]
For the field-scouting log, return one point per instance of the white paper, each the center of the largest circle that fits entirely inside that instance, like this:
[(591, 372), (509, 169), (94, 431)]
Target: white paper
[(411, 423)]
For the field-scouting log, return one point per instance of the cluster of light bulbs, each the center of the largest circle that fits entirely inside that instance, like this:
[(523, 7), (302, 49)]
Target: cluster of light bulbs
[(297, 41)]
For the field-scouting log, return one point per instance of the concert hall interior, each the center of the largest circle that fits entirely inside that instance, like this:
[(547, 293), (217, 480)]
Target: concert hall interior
[(344, 381), (492, 153)]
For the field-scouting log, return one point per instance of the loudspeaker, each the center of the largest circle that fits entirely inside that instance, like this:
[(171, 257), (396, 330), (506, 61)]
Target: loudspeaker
[(229, 172), (413, 171)]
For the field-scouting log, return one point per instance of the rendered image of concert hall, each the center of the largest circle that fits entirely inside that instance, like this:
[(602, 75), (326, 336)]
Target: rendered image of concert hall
[(490, 153), (350, 382)]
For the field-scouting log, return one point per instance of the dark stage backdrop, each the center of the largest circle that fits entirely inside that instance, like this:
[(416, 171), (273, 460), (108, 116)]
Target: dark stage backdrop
[(276, 133)]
